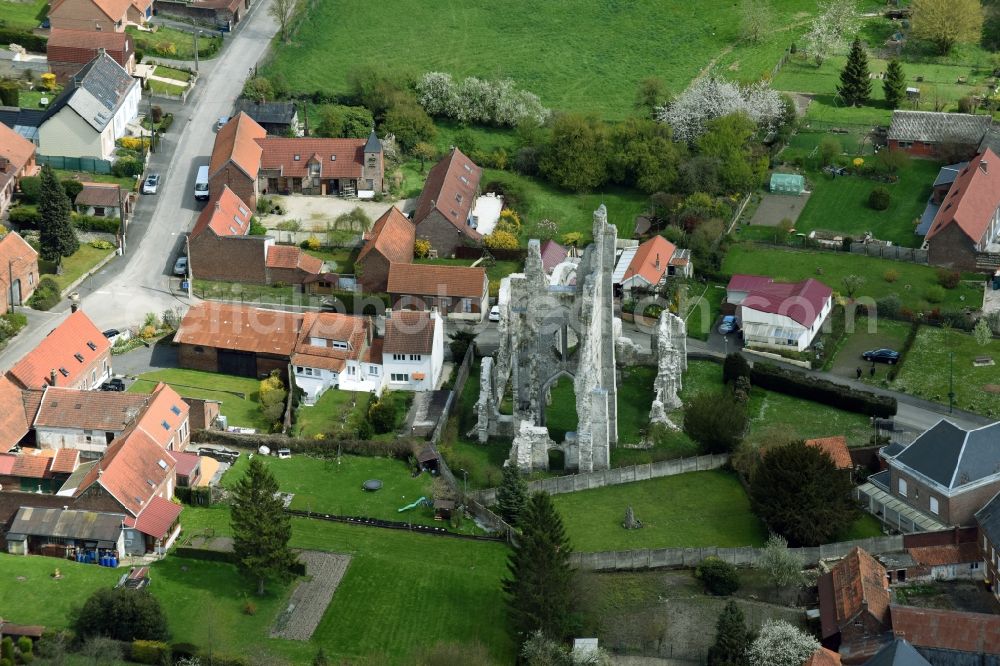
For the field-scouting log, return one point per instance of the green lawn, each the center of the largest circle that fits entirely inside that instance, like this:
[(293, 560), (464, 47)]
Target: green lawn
[(73, 266), (31, 99), (338, 259), (173, 44), (802, 264), (703, 308), (23, 14), (840, 204), (693, 509), (588, 59), (164, 88), (338, 412), (927, 370), (172, 73), (865, 527), (238, 395), (560, 414), (254, 293), (87, 177), (329, 486)]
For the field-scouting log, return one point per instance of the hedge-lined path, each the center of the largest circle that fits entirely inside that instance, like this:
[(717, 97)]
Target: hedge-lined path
[(310, 598)]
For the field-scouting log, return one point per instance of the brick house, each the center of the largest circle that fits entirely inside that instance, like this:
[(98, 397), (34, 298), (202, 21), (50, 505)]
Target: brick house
[(444, 210), (349, 167), (967, 223), (457, 292), (937, 134), (854, 606), (988, 522), (140, 11), (647, 265), (17, 411), (942, 479), (18, 271), (74, 354), (68, 51), (288, 264), (237, 340), (235, 159), (945, 562), (390, 241), (90, 15), (219, 247), (939, 190), (823, 657), (17, 160)]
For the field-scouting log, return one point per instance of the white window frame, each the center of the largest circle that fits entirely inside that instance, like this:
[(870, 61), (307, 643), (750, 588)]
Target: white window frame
[(901, 486), (399, 378), (935, 507)]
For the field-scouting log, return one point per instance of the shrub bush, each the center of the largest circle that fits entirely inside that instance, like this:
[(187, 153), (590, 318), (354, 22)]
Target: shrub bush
[(719, 578), (127, 167), (100, 245), (22, 217), (891, 275), (47, 295), (733, 367), (168, 120), (771, 377), (948, 279), (880, 198), (889, 306), (934, 294), (421, 248), (149, 652), (30, 187), (108, 225), (28, 40)]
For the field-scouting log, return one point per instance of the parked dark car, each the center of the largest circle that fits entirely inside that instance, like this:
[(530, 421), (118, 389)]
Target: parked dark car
[(889, 356), (114, 384)]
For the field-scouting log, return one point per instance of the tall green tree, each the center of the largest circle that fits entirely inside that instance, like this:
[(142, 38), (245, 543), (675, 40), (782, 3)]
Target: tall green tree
[(57, 236), (741, 165), (577, 153), (261, 528), (348, 122), (945, 23), (894, 84), (540, 582), (855, 85), (716, 420), (512, 494), (800, 494), (644, 155), (121, 614), (650, 95), (731, 638)]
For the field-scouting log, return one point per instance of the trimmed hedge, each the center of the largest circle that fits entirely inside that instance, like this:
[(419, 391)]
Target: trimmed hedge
[(28, 40), (23, 217), (47, 294), (911, 337), (773, 378), (93, 223), (401, 448), (198, 496)]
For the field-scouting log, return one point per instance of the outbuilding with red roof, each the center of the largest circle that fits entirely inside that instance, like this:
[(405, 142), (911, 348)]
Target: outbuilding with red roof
[(779, 315), (967, 223)]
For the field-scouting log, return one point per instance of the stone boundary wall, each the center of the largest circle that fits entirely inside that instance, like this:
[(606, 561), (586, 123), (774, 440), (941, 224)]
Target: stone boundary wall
[(613, 477), (660, 558)]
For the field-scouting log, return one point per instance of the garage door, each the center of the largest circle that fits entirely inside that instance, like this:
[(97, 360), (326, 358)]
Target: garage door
[(243, 364)]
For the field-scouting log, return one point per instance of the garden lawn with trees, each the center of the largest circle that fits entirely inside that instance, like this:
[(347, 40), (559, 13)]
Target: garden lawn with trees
[(338, 412), (238, 395)]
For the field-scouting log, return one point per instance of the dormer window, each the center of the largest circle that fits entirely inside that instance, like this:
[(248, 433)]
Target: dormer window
[(243, 212), (162, 464), (458, 198), (467, 168), (464, 179)]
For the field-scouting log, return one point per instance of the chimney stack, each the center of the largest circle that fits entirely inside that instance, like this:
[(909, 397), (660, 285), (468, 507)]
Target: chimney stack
[(52, 377), (74, 306)]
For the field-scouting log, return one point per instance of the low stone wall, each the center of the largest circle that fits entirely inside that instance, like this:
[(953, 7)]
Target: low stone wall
[(661, 558), (613, 477), (777, 357)]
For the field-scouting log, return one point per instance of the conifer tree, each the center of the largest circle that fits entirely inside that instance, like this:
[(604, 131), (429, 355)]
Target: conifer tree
[(540, 583), (855, 86), (57, 237), (894, 85), (731, 638), (261, 528), (512, 494)]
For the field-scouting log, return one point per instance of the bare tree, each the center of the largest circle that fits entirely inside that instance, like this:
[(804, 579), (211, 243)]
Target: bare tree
[(756, 17), (282, 11)]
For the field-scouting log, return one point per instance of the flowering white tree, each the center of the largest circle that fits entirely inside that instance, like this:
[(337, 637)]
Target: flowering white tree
[(831, 29), (707, 98), (474, 100), (781, 644)]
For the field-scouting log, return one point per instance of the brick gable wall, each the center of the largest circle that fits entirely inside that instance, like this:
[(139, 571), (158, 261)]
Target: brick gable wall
[(442, 234), (374, 271), (228, 259), (242, 185), (953, 249), (286, 275)]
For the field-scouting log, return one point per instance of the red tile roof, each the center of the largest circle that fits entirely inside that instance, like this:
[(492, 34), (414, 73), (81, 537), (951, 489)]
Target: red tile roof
[(163, 417), (553, 254), (435, 280), (156, 517), (236, 143), (15, 252), (225, 215), (651, 260), (240, 327), (291, 257), (14, 424), (961, 553), (7, 461), (977, 633), (330, 327), (278, 153), (836, 448), (451, 188), (65, 461), (16, 150), (859, 582), (800, 301), (186, 462), (131, 470), (89, 410), (972, 199), (392, 235), (823, 657), (85, 40), (33, 463), (409, 332), (374, 352), (76, 335)]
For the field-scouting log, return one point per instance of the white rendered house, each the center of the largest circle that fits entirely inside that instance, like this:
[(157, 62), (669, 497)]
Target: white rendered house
[(413, 350), (779, 315)]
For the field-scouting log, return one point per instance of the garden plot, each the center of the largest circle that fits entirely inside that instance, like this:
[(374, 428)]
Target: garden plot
[(774, 208), (308, 602)]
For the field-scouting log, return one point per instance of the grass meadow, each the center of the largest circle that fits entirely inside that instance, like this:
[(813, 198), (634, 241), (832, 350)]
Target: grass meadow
[(238, 395)]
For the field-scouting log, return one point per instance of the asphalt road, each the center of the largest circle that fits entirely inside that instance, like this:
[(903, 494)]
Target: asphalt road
[(140, 281)]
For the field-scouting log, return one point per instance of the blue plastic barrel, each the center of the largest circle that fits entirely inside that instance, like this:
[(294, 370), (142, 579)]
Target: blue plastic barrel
[(113, 562)]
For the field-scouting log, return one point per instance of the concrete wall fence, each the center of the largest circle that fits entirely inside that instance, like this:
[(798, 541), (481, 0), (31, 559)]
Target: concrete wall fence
[(895, 252), (660, 558), (613, 477)]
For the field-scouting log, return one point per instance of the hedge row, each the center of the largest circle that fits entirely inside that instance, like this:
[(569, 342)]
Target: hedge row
[(197, 496), (773, 378), (401, 448), (93, 223), (298, 568), (911, 337), (28, 40)]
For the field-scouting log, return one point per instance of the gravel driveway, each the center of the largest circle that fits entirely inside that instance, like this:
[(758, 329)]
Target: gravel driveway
[(308, 602)]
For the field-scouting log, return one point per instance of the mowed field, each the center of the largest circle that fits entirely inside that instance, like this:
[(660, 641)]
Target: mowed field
[(581, 55)]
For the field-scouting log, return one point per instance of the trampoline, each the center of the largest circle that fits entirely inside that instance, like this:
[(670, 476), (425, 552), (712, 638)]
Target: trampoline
[(371, 485)]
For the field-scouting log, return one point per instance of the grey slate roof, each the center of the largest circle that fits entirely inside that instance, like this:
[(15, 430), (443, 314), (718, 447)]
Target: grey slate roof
[(274, 113), (897, 653), (938, 127), (991, 140), (97, 91), (952, 456), (373, 145), (989, 520), (67, 524), (949, 173)]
